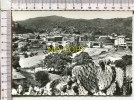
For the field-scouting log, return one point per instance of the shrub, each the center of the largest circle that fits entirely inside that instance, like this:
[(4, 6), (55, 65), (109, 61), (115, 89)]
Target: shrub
[(127, 59), (42, 77), (25, 86), (15, 61), (25, 55), (24, 49), (67, 71), (82, 58), (57, 61), (120, 63), (14, 85)]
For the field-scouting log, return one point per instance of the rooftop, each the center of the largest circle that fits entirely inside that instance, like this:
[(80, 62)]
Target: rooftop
[(17, 75), (121, 36), (106, 40)]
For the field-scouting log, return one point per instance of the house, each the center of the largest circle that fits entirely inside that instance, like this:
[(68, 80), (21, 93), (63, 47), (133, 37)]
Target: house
[(44, 45), (76, 40), (50, 38), (106, 40), (120, 41), (21, 44), (83, 40), (72, 38), (105, 36), (114, 35), (129, 44), (25, 36), (35, 44), (17, 77), (54, 40), (95, 44), (32, 37), (58, 38), (43, 36)]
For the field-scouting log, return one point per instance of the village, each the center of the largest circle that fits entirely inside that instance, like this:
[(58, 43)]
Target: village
[(32, 48)]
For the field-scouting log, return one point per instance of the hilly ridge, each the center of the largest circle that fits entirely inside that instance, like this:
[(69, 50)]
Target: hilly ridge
[(105, 26)]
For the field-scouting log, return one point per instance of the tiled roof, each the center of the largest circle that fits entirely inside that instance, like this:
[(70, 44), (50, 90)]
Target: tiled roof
[(17, 75)]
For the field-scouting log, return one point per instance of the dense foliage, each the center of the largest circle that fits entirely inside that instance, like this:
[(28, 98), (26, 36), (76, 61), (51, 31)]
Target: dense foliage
[(82, 58), (15, 62), (14, 47), (67, 71), (24, 49), (20, 29), (57, 61), (126, 60), (42, 77)]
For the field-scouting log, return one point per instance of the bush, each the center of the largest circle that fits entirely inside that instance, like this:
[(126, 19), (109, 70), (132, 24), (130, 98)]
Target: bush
[(130, 47), (15, 39), (57, 61), (82, 58), (25, 55), (31, 54), (24, 49), (120, 63), (42, 77), (15, 46), (14, 85), (67, 71), (127, 59), (15, 61), (25, 86)]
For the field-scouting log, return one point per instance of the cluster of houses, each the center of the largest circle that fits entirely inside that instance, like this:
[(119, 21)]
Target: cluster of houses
[(37, 41)]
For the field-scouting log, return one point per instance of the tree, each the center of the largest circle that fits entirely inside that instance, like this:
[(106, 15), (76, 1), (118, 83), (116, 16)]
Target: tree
[(24, 49), (67, 71), (57, 61), (14, 85), (42, 77), (31, 54), (38, 37), (25, 55), (101, 45), (15, 62), (127, 59), (120, 63), (15, 46), (15, 39), (91, 45), (82, 58), (25, 86)]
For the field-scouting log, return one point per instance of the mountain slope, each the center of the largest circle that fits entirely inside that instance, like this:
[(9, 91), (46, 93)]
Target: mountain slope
[(105, 26)]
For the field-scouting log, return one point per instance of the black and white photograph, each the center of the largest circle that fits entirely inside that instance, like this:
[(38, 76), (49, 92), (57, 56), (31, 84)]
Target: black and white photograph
[(71, 53)]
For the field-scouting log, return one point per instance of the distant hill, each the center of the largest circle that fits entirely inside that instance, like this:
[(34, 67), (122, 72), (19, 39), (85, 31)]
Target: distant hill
[(67, 25)]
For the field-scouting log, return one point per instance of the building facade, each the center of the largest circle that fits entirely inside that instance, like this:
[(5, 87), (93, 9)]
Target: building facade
[(120, 41)]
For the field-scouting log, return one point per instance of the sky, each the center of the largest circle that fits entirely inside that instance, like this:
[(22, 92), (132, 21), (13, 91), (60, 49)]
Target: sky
[(23, 15)]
